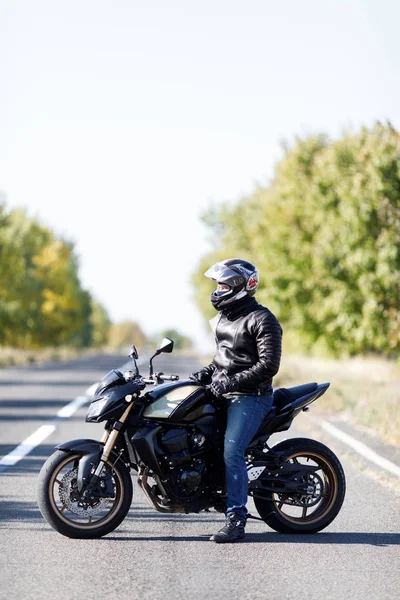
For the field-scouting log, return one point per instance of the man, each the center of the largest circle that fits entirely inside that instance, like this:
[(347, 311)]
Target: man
[(248, 353)]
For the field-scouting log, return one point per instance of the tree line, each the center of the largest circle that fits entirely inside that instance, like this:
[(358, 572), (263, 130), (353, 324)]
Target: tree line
[(325, 236), (42, 300)]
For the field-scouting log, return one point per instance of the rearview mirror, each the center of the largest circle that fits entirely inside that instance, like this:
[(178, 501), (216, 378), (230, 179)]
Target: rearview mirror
[(133, 352), (166, 345)]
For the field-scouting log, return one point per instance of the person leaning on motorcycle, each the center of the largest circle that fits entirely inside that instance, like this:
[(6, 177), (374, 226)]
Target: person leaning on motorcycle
[(248, 353)]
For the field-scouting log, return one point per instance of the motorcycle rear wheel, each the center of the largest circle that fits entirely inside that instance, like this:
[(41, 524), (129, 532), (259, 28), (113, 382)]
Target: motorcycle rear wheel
[(287, 513), (71, 516)]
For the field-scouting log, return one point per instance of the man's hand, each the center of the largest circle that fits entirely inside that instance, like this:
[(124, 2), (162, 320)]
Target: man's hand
[(219, 388), (203, 377)]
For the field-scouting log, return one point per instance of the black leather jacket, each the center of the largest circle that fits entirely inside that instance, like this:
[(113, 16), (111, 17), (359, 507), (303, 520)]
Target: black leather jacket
[(249, 348)]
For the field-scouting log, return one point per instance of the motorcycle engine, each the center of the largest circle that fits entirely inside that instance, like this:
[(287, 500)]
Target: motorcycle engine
[(190, 478), (179, 445), (185, 470)]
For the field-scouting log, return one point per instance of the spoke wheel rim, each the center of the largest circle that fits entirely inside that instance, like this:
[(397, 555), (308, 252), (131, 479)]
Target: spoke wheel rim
[(328, 496), (60, 509)]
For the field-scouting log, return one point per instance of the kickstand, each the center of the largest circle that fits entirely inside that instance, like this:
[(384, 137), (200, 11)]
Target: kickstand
[(249, 516)]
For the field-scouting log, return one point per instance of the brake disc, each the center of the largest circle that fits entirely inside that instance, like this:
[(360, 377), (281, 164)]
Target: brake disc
[(68, 492)]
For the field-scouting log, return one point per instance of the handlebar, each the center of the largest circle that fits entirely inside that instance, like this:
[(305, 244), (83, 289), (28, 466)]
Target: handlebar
[(157, 377), (169, 377)]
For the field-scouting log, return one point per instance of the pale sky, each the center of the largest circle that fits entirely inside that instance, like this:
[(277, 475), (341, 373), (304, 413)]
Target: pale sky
[(122, 121)]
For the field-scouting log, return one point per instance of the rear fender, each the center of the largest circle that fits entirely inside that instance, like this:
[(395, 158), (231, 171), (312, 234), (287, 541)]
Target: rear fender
[(89, 450), (308, 398)]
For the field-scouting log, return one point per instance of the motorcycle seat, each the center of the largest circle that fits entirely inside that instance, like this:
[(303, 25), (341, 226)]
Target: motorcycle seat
[(283, 396)]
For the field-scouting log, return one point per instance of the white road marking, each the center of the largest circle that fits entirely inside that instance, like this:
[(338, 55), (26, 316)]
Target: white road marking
[(36, 438), (69, 409), (91, 390), (28, 445), (362, 449)]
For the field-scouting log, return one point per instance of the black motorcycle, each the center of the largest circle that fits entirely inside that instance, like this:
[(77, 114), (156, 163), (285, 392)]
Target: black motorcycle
[(172, 436)]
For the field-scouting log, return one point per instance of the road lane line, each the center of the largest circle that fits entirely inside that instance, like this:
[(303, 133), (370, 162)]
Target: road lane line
[(362, 449), (91, 390), (38, 436), (27, 445), (69, 409)]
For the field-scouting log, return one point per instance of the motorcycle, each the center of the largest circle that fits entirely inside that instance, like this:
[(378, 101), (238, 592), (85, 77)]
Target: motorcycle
[(172, 436)]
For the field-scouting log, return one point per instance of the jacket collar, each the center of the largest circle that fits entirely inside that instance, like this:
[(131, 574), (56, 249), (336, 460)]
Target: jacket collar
[(241, 307)]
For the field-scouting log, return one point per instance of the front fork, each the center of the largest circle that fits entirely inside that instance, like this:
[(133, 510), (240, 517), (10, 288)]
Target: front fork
[(109, 439)]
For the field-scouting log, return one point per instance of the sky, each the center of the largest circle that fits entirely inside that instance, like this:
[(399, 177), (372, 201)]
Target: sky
[(123, 121)]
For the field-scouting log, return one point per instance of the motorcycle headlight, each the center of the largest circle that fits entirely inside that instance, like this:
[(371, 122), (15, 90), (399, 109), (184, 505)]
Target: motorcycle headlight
[(96, 407)]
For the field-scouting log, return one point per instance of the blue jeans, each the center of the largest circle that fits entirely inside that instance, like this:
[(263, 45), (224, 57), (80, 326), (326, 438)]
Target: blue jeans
[(244, 416)]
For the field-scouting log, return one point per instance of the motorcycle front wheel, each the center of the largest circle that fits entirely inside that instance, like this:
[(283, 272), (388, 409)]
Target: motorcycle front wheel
[(312, 512), (67, 512)]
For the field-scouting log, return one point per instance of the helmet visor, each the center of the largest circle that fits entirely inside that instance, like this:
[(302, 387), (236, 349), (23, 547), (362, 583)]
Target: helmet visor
[(223, 274)]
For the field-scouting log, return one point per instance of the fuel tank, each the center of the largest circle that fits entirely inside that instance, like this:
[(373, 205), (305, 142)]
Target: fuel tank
[(180, 402)]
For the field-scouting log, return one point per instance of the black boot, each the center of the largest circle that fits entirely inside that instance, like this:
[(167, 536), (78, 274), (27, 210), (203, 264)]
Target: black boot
[(233, 530)]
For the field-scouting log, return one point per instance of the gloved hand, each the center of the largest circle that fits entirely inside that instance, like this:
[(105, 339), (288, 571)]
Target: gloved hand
[(218, 388), (203, 376)]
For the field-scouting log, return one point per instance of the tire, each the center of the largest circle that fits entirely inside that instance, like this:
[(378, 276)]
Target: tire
[(71, 517), (329, 480)]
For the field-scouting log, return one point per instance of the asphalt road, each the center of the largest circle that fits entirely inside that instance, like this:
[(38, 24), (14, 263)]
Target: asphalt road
[(157, 556)]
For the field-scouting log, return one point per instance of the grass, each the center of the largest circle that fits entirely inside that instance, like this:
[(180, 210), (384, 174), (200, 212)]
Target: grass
[(365, 390)]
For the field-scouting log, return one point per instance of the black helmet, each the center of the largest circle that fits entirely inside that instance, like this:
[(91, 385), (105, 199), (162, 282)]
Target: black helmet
[(236, 279)]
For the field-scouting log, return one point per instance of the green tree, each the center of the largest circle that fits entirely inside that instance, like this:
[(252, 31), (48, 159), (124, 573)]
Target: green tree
[(325, 235), (42, 302)]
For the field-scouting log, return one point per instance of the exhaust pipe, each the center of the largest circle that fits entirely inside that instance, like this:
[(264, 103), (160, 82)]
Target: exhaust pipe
[(152, 497)]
